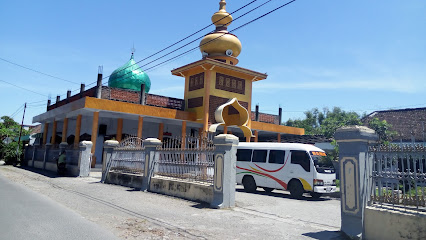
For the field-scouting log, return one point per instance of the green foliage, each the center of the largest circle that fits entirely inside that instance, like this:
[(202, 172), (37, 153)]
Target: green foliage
[(326, 122), (382, 129), (9, 130)]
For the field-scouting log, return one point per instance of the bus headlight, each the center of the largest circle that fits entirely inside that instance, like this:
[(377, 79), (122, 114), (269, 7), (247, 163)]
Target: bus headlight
[(318, 182)]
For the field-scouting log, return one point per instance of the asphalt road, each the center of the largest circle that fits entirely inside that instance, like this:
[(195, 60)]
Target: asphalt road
[(131, 214), (25, 214)]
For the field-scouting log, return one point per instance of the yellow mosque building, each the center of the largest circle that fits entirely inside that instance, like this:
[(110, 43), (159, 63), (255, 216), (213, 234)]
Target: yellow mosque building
[(125, 107)]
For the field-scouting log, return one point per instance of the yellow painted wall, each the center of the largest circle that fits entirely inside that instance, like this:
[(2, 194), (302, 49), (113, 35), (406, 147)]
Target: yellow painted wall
[(260, 126), (131, 108)]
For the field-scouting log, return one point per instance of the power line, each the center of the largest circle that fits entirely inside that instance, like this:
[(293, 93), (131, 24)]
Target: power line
[(261, 5), (184, 53), (192, 49), (183, 39), (22, 88), (37, 71), (13, 114)]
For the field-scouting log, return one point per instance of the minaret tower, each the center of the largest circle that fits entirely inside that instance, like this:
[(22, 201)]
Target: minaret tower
[(221, 44), (213, 80)]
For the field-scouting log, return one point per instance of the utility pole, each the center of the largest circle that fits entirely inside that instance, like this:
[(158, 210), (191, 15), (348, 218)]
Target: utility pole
[(20, 133)]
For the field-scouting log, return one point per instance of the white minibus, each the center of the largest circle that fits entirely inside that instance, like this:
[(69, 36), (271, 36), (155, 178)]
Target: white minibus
[(295, 167)]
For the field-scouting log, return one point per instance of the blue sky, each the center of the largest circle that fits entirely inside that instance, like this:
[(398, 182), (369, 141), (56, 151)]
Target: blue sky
[(358, 55)]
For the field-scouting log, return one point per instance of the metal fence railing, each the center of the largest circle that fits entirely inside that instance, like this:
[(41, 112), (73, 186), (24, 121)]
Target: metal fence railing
[(128, 157), (128, 161), (188, 158), (399, 176)]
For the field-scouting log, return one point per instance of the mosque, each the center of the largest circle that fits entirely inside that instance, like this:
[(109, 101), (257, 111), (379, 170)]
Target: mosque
[(125, 107)]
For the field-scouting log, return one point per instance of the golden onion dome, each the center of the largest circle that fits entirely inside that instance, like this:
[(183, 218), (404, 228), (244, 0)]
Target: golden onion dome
[(220, 43)]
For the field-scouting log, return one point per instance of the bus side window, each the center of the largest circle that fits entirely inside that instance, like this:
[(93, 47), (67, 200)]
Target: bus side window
[(259, 156), (276, 156), (244, 155), (301, 158)]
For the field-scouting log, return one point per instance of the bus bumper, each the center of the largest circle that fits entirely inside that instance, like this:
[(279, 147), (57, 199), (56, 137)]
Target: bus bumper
[(324, 189)]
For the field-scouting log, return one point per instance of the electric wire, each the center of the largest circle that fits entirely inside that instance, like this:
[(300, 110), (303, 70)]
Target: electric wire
[(183, 39), (235, 29), (37, 71), (193, 49), (22, 88), (20, 108)]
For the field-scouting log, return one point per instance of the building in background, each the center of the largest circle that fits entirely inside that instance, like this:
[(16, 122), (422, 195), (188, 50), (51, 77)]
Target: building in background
[(408, 124), (125, 106)]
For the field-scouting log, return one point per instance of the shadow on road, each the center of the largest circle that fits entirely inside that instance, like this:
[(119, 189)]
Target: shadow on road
[(282, 194), (45, 173), (327, 235)]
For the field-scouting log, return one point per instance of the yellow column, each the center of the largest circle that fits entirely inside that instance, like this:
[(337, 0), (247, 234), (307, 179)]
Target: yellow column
[(249, 93), (55, 124), (119, 129), (46, 128), (160, 131), (77, 130), (94, 135), (183, 134), (140, 127), (206, 101), (64, 130), (225, 129), (256, 136), (279, 137)]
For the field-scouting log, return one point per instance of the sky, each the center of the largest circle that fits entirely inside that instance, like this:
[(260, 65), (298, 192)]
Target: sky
[(359, 55)]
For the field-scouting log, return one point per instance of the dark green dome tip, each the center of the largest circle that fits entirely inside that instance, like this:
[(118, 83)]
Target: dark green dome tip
[(129, 76)]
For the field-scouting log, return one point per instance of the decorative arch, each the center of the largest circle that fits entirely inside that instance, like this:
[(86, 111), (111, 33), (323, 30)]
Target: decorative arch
[(240, 119)]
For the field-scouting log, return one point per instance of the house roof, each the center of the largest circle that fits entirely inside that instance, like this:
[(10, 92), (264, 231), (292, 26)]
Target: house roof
[(407, 123)]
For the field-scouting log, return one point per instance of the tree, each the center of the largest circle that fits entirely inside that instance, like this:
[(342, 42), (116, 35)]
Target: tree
[(9, 130), (326, 122), (383, 129)]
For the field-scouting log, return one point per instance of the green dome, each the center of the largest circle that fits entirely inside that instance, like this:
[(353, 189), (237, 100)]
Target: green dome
[(129, 76)]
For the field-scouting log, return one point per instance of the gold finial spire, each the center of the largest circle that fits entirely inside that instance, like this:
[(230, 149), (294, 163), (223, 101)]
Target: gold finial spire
[(222, 7), (222, 18)]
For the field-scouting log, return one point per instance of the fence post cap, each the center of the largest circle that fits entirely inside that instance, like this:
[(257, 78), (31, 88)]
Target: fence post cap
[(85, 144), (63, 144), (355, 133), (152, 141), (48, 144), (110, 143), (225, 139)]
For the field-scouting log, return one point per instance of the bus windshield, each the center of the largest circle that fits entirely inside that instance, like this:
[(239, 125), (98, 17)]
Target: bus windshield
[(321, 162)]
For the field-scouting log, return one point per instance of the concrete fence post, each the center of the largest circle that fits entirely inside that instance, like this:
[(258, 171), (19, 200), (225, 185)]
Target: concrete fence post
[(356, 168), (225, 159), (62, 147), (151, 155), (34, 154), (47, 148), (84, 159), (109, 146), (24, 162)]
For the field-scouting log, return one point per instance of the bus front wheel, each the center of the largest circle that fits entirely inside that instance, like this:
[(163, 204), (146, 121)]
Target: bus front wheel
[(296, 189), (249, 184)]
